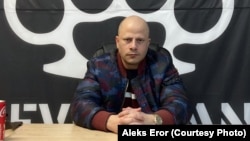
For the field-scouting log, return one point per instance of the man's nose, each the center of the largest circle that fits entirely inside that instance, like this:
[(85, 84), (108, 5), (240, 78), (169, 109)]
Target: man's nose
[(133, 44)]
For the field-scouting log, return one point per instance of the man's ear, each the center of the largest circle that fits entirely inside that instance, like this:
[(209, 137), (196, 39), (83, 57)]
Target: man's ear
[(149, 41), (117, 41)]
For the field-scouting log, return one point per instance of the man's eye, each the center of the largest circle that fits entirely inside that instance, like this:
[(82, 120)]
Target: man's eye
[(127, 40), (140, 40)]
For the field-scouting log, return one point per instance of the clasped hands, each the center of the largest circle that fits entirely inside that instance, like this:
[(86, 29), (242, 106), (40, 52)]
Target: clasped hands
[(133, 116), (129, 116)]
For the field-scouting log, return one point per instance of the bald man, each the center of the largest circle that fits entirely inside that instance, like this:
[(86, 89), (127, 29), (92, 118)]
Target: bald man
[(131, 85)]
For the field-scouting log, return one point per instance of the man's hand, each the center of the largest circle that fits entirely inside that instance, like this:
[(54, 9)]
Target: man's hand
[(129, 116), (134, 116)]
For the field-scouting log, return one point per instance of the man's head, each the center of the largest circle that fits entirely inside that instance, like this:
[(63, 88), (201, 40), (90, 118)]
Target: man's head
[(132, 41)]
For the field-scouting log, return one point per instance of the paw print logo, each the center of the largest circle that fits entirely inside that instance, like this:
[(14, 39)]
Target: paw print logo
[(82, 25)]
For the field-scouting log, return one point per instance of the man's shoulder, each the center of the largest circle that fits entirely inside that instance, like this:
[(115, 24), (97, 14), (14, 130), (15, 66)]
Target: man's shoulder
[(105, 59)]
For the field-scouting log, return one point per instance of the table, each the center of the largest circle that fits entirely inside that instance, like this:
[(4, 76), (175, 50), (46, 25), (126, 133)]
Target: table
[(58, 132)]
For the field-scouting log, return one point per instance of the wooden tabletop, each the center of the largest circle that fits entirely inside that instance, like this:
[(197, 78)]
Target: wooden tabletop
[(58, 132)]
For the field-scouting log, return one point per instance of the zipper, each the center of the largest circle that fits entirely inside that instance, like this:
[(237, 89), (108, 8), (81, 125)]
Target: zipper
[(124, 95)]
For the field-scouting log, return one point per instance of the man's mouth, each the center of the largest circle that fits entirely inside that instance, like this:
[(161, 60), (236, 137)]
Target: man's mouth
[(132, 55)]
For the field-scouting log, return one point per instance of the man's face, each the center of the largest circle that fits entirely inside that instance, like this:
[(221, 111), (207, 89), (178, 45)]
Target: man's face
[(132, 43)]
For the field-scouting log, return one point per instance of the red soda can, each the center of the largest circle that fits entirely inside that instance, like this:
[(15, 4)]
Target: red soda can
[(2, 118)]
